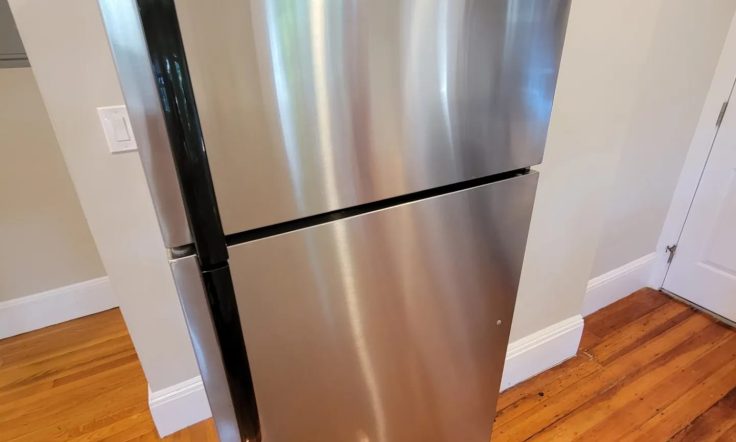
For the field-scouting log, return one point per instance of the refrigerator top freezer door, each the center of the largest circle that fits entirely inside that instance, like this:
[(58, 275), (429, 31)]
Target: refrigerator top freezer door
[(385, 326), (310, 106)]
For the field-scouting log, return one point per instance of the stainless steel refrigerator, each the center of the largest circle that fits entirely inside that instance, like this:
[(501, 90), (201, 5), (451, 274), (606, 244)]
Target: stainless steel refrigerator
[(345, 192)]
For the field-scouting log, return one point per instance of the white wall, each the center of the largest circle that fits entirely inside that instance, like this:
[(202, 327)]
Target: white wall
[(45, 239), (674, 82), (607, 44), (68, 51), (632, 82)]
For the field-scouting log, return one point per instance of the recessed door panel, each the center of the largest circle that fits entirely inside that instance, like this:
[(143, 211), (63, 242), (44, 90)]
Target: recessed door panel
[(386, 326)]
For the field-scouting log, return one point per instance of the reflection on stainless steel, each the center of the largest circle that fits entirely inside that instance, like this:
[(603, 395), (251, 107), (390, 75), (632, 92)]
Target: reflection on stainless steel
[(129, 50), (383, 327), (202, 332), (313, 105)]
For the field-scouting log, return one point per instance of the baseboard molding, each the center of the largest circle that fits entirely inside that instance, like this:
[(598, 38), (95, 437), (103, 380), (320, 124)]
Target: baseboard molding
[(179, 406), (541, 351), (618, 283), (27, 313)]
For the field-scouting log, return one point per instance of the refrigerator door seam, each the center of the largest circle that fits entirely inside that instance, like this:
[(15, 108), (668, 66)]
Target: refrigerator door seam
[(374, 206)]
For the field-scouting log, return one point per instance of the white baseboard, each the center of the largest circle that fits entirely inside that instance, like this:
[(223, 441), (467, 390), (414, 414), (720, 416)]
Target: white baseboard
[(179, 406), (541, 351), (618, 283), (27, 313)]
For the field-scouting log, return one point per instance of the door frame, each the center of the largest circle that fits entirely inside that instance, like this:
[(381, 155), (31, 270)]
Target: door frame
[(697, 156)]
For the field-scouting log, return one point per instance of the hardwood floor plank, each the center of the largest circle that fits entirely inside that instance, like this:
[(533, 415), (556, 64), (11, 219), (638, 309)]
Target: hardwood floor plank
[(688, 407), (521, 398), (100, 425), (202, 432), (621, 313), (62, 366), (633, 334), (647, 402), (609, 415), (99, 381), (46, 417), (710, 426), (728, 436), (50, 342), (554, 408)]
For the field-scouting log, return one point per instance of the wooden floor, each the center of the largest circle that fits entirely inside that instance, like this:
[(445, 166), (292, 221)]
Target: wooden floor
[(649, 369), (80, 380)]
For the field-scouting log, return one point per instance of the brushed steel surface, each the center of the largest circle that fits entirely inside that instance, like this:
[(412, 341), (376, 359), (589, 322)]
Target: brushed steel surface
[(309, 106), (383, 327), (130, 54), (202, 333)]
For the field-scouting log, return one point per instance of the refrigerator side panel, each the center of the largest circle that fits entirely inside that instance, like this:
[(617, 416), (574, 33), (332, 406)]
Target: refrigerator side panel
[(312, 106), (202, 333), (129, 50), (387, 326)]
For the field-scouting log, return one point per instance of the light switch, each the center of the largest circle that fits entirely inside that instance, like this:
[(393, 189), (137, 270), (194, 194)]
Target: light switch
[(120, 129), (116, 125)]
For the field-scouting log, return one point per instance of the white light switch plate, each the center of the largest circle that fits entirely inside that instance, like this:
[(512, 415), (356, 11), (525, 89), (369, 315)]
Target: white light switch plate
[(116, 125)]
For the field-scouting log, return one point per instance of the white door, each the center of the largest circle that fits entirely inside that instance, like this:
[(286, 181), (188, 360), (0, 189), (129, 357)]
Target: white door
[(703, 269)]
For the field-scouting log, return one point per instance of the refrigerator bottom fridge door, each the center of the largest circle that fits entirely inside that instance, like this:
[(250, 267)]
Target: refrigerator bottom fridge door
[(387, 326)]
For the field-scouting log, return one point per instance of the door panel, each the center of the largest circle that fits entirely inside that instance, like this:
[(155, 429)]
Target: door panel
[(309, 106), (383, 326), (704, 267)]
